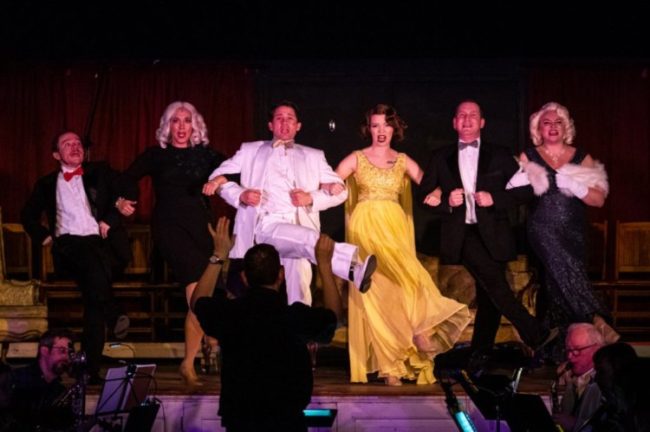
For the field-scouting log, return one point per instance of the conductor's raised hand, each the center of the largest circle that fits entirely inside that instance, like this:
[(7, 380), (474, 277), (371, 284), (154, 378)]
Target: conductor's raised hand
[(221, 238)]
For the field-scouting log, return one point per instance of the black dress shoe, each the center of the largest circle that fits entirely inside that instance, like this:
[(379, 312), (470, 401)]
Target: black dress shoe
[(362, 273)]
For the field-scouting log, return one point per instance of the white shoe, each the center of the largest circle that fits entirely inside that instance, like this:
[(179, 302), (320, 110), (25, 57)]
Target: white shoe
[(362, 273)]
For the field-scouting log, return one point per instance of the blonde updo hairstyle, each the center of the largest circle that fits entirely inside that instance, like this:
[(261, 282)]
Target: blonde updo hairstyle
[(562, 112), (199, 130)]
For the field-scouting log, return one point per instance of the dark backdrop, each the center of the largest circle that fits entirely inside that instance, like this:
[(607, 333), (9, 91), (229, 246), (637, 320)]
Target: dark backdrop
[(425, 94), (610, 102)]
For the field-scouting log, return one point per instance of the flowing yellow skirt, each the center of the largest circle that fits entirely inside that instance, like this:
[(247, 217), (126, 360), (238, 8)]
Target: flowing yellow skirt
[(403, 321)]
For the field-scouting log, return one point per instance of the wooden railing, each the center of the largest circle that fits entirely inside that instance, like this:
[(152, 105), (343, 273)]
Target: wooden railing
[(156, 304)]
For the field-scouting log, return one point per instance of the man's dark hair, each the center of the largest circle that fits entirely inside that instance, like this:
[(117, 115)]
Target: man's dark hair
[(262, 265), (55, 140), (48, 338), (282, 103), (469, 100)]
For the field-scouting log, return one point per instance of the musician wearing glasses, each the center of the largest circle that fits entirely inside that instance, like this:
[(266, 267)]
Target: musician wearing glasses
[(582, 396), (29, 394)]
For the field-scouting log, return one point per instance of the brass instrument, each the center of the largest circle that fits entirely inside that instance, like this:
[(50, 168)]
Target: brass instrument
[(563, 374), (555, 398), (75, 397)]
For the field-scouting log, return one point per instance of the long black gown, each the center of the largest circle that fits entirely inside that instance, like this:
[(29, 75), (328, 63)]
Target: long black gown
[(556, 233), (182, 212)]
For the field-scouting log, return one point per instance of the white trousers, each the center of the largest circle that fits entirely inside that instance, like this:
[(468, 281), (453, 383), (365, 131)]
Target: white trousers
[(295, 244)]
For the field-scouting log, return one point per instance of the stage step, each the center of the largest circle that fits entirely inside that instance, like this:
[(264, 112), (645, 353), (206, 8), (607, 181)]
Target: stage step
[(126, 350)]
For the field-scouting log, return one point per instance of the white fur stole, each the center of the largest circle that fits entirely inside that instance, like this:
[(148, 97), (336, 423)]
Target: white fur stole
[(537, 176), (590, 177), (595, 177)]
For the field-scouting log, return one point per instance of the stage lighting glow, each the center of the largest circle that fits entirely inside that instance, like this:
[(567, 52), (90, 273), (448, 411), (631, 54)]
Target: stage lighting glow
[(463, 422), (319, 417)]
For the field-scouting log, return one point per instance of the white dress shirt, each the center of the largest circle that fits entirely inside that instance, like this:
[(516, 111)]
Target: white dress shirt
[(279, 180), (468, 166), (73, 215)]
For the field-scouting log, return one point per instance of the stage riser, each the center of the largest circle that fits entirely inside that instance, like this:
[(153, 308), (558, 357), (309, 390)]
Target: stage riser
[(355, 414)]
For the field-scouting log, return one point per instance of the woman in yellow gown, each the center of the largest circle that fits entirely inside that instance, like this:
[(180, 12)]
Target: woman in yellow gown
[(403, 321)]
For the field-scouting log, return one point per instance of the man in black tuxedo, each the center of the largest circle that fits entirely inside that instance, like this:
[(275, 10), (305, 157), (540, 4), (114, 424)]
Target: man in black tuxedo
[(88, 242), (475, 227)]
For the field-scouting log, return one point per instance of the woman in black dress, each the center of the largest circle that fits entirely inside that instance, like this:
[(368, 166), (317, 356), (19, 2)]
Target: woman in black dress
[(179, 167), (565, 180)]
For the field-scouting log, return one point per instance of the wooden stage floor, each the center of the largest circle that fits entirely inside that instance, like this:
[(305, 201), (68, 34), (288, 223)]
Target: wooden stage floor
[(331, 378), (372, 407)]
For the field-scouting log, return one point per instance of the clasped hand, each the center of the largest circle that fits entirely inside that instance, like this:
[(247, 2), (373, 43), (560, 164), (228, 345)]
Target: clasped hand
[(299, 198), (482, 198), (125, 207), (332, 188), (212, 186), (433, 198)]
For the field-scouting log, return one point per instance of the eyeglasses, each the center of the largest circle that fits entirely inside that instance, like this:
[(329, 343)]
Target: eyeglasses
[(577, 351), (60, 349)]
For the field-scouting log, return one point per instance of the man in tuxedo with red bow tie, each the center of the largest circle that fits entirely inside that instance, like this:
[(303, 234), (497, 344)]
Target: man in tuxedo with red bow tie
[(88, 241), (475, 228)]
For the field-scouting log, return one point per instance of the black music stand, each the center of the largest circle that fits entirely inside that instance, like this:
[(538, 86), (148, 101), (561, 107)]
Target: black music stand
[(125, 388), (494, 394)]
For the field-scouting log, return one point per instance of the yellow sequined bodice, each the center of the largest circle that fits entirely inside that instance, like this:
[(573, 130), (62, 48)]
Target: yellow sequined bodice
[(376, 183)]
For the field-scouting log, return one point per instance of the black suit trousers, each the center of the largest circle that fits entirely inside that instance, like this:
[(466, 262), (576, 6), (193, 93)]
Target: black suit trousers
[(494, 297), (86, 259)]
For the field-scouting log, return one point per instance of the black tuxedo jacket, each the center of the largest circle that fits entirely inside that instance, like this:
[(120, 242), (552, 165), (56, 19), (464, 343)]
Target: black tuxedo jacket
[(496, 166), (97, 179)]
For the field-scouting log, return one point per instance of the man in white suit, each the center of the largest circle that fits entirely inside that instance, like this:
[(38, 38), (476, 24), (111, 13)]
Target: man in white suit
[(279, 200)]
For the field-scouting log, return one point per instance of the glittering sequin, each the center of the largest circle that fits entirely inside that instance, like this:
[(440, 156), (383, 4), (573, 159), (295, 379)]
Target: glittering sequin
[(556, 233), (379, 183)]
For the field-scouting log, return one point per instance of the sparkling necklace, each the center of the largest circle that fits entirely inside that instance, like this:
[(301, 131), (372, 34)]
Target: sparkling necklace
[(555, 157)]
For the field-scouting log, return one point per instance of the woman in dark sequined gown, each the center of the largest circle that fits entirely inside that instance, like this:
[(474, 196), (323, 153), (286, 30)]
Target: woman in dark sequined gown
[(565, 180), (178, 168)]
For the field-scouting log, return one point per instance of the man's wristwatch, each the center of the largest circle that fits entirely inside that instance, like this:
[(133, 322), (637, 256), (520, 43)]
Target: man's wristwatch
[(214, 259)]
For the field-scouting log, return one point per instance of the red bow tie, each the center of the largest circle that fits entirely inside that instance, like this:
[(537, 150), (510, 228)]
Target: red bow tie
[(68, 175)]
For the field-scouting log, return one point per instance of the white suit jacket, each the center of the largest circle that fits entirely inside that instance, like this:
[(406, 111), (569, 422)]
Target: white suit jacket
[(310, 170)]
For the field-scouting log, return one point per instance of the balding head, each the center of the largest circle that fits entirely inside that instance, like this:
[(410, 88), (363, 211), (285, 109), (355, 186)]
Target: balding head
[(582, 341)]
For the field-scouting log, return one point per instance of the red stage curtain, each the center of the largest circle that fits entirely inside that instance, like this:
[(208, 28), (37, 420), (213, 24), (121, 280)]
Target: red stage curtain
[(38, 101)]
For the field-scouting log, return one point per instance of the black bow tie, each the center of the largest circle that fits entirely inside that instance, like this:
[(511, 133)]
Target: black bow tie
[(462, 145)]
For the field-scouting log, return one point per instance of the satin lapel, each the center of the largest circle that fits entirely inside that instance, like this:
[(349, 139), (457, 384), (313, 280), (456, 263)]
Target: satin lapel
[(454, 170), (484, 158), (258, 167), (50, 191)]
